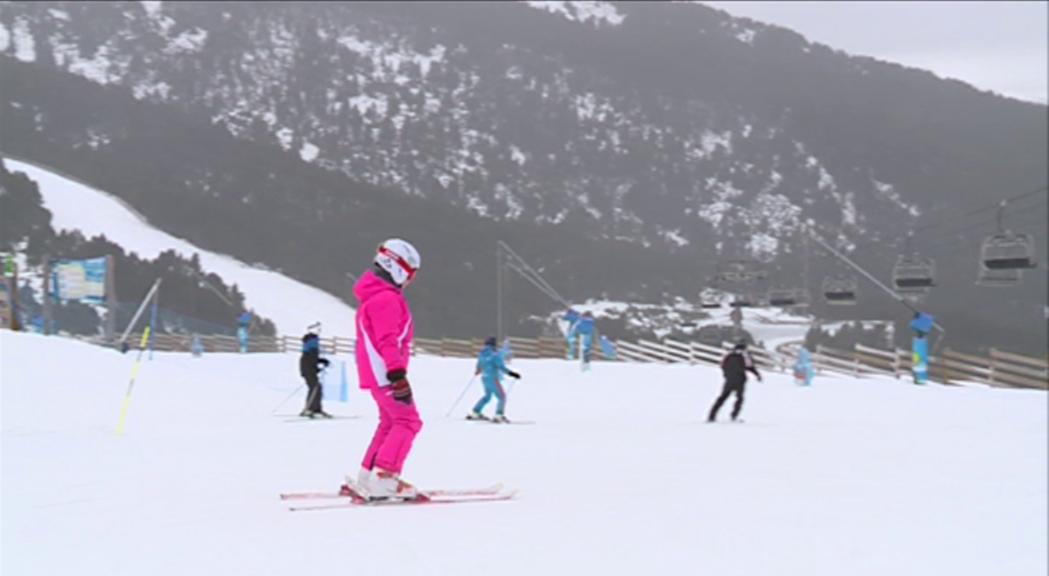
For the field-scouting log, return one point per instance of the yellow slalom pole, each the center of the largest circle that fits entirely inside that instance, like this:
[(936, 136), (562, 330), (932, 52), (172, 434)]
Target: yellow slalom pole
[(131, 385)]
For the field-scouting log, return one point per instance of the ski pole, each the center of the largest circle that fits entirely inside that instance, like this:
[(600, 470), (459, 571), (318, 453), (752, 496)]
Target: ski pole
[(293, 392), (318, 389), (460, 398)]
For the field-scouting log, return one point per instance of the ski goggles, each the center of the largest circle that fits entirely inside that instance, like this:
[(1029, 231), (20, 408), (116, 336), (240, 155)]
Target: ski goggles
[(400, 262)]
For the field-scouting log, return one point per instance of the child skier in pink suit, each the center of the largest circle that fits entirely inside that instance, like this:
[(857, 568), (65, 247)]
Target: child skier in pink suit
[(384, 336)]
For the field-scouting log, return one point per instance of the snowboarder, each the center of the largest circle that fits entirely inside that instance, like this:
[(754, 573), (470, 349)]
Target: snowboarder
[(384, 337), (490, 364), (310, 363), (734, 366)]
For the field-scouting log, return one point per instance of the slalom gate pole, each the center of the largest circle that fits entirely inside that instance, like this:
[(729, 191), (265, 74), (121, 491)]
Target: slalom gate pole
[(460, 398), (131, 385)]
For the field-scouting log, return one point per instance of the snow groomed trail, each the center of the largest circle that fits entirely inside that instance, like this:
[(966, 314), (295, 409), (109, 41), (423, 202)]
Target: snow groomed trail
[(619, 474)]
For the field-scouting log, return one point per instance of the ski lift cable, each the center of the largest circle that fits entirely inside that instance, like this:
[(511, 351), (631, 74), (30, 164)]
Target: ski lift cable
[(948, 235), (538, 278), (870, 277), (954, 216), (531, 280), (537, 282), (984, 208)]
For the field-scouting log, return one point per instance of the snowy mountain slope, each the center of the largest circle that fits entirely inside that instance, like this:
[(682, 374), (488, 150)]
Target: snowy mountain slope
[(664, 125), (618, 476), (537, 111), (292, 305)]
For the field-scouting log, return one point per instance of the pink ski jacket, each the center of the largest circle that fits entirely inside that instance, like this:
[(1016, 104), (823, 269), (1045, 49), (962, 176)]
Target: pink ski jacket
[(384, 330)]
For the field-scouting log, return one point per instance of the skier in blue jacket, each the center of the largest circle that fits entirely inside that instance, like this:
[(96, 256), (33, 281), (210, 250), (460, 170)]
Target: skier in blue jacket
[(584, 330), (491, 367)]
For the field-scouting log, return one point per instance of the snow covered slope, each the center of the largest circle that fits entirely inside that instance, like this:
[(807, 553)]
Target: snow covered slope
[(75, 206), (619, 474)]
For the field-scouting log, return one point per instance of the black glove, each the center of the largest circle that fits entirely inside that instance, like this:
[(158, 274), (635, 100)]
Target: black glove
[(324, 361), (513, 374), (402, 392)]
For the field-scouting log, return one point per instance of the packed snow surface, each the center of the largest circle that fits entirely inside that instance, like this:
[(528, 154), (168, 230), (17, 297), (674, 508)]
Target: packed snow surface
[(619, 474), (75, 206)]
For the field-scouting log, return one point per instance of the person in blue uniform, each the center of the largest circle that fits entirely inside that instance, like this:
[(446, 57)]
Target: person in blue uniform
[(491, 367)]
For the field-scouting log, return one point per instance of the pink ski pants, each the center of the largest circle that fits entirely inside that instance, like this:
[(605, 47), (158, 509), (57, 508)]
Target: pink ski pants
[(398, 425)]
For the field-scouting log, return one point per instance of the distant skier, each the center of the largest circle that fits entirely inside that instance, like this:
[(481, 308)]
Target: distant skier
[(584, 331), (310, 363), (384, 336), (734, 366), (803, 368), (243, 327), (491, 366), (572, 317)]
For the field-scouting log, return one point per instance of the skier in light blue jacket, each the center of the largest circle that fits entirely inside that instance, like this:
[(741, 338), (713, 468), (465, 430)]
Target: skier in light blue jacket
[(584, 330), (491, 367), (803, 371)]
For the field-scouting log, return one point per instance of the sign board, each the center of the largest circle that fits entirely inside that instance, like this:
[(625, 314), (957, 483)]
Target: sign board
[(83, 280)]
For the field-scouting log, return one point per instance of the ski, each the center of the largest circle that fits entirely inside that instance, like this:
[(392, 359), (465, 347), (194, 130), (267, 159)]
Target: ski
[(437, 493), (320, 419), (358, 502), (511, 422)]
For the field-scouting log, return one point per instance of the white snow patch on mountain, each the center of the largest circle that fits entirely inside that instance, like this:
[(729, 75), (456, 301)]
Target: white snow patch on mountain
[(96, 69), (517, 155), (5, 38), (596, 12), (710, 141), (152, 7), (25, 47), (365, 102), (308, 152), (188, 41), (58, 14), (762, 246), (888, 192), (285, 136), (675, 237), (425, 61), (150, 89)]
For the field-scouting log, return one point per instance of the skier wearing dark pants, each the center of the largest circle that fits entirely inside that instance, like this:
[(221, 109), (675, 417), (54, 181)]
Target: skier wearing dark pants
[(734, 366), (309, 366)]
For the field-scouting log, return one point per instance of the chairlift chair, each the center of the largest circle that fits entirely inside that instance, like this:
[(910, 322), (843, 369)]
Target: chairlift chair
[(739, 271), (998, 278), (782, 298), (709, 300), (1008, 251), (914, 274), (839, 290)]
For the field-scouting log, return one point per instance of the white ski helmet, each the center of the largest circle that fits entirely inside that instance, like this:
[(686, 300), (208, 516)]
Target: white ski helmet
[(399, 258)]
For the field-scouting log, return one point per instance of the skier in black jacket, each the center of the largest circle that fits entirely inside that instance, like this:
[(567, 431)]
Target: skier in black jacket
[(309, 366), (734, 366)]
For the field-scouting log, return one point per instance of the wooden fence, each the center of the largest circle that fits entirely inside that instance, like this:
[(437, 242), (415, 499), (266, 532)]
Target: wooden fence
[(1000, 368)]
